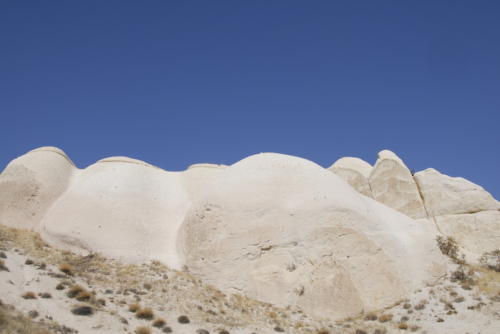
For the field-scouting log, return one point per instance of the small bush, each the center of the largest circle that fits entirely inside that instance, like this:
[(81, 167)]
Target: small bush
[(29, 295), (28, 262), (82, 310), (403, 325), (159, 323), (83, 296), (371, 317), (74, 290), (45, 295), (360, 331), (134, 308), (2, 266), (145, 313), (449, 247), (183, 319), (67, 269), (143, 330), (167, 330), (385, 317), (202, 331), (60, 286)]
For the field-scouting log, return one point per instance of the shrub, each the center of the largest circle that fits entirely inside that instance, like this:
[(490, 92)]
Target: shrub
[(183, 319), (385, 317), (145, 313), (74, 290), (371, 317), (167, 330), (83, 296), (403, 325), (45, 295), (29, 295), (143, 330), (134, 307), (28, 261), (82, 310), (67, 269), (202, 331), (60, 286), (2, 266), (159, 323), (449, 247)]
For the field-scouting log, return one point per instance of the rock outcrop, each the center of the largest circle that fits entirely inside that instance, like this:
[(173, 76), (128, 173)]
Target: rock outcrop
[(277, 228), (392, 183), (445, 195), (355, 172)]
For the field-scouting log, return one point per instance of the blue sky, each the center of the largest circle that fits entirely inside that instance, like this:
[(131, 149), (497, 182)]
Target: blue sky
[(179, 82)]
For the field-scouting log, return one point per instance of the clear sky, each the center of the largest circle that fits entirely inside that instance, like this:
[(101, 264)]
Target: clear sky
[(179, 82)]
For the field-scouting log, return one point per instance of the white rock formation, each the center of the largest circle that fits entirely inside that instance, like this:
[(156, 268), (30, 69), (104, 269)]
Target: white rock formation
[(391, 183), (31, 183), (277, 228), (445, 195), (355, 172), (283, 230)]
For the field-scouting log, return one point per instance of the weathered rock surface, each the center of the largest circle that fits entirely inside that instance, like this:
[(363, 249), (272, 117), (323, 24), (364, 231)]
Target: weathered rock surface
[(284, 230), (445, 195), (391, 183), (355, 172), (278, 228), (31, 183)]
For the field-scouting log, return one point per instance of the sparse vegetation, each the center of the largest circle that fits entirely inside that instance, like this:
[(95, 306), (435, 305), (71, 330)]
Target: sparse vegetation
[(145, 313), (449, 247), (183, 319), (159, 323), (385, 318), (134, 308), (2, 266), (67, 269), (75, 290), (82, 309), (29, 295), (143, 330), (83, 296), (45, 295)]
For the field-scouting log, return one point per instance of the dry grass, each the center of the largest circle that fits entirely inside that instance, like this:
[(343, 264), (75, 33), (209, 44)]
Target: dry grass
[(67, 269), (83, 296), (385, 318), (159, 323), (145, 313), (143, 330), (75, 290), (134, 308), (12, 321), (29, 295)]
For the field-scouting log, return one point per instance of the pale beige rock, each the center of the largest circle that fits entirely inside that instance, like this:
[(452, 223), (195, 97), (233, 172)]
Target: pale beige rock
[(355, 172), (284, 230), (122, 208), (31, 183), (392, 184), (445, 195), (476, 233)]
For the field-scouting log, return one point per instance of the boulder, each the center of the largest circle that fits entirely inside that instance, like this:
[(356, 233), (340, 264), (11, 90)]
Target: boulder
[(392, 184), (355, 172), (286, 231), (445, 195), (31, 183)]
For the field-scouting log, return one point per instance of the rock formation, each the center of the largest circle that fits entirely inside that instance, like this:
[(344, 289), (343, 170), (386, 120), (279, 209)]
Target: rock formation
[(355, 172), (277, 228)]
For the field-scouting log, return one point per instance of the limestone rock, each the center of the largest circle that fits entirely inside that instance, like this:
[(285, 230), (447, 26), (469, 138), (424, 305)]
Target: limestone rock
[(355, 172), (284, 230), (445, 195), (31, 183), (476, 233), (391, 183)]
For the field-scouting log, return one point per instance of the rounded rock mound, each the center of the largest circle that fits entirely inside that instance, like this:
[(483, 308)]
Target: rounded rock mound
[(284, 230)]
